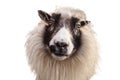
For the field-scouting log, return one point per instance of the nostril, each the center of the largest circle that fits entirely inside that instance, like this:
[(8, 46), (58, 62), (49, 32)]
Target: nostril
[(57, 50), (61, 44), (52, 48)]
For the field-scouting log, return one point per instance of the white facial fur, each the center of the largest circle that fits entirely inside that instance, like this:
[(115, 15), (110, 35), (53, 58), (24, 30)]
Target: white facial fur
[(63, 35)]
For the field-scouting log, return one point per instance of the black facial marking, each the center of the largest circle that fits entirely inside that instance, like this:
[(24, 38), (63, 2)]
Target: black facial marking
[(50, 29), (75, 25), (75, 32), (73, 22), (77, 40), (56, 17), (47, 35)]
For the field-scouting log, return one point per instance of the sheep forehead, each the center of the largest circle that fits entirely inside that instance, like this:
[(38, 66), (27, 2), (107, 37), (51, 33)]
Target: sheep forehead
[(70, 12)]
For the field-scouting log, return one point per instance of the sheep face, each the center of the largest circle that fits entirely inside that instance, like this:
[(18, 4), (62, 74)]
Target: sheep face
[(62, 34)]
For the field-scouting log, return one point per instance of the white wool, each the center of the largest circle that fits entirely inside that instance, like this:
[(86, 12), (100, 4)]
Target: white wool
[(69, 12), (80, 66)]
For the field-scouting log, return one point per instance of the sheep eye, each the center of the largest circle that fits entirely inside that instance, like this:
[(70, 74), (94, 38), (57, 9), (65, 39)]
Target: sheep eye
[(73, 22), (51, 29), (78, 25)]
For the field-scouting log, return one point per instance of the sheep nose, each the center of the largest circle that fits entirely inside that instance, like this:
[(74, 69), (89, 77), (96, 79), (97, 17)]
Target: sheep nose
[(59, 49), (61, 44)]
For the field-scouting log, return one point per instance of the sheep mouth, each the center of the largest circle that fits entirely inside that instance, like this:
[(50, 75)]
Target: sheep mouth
[(59, 57), (58, 51)]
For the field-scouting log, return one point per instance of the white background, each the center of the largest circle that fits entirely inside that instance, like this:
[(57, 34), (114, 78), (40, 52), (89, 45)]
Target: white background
[(18, 17)]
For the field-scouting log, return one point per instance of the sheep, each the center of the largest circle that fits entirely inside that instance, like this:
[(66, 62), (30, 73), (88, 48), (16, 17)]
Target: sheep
[(63, 46)]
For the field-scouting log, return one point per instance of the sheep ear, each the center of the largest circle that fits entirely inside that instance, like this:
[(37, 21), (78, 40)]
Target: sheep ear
[(83, 23), (44, 16)]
